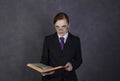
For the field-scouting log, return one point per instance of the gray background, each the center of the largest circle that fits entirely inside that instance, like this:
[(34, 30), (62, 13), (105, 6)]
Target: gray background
[(24, 23)]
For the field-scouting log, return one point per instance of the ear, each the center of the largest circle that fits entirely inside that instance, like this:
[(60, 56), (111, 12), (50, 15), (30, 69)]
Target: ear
[(68, 25)]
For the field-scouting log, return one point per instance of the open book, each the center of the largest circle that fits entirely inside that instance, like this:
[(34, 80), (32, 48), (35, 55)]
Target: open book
[(42, 68)]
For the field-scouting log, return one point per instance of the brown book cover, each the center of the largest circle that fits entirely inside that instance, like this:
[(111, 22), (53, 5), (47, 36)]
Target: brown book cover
[(42, 68)]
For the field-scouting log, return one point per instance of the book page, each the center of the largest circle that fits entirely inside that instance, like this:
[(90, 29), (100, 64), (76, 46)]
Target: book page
[(43, 68)]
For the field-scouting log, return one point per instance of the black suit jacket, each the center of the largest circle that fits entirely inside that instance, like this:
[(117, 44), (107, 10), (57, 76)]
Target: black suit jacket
[(54, 56)]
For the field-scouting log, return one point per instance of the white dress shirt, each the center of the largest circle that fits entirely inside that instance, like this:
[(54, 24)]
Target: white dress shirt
[(65, 37)]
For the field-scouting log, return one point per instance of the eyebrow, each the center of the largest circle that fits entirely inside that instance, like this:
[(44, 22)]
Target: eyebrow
[(56, 26), (64, 26)]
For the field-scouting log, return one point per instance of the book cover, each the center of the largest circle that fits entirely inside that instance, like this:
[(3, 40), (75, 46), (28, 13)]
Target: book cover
[(42, 68)]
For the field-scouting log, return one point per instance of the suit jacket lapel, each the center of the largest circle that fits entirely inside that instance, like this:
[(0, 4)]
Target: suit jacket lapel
[(68, 39), (56, 43)]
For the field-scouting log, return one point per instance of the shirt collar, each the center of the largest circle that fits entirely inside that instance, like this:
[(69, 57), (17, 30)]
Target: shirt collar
[(65, 36)]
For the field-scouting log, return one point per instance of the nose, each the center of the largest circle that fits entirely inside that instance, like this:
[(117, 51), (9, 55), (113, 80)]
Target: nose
[(60, 29)]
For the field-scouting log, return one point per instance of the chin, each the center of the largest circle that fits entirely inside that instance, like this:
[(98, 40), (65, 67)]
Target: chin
[(61, 34)]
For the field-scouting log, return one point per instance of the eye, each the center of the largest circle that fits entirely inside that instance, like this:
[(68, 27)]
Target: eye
[(64, 26), (57, 26)]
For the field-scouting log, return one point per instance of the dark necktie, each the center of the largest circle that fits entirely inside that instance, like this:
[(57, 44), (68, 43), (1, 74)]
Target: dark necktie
[(62, 42)]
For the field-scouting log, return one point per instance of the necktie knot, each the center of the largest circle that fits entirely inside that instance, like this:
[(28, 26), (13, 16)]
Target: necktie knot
[(62, 39), (62, 42)]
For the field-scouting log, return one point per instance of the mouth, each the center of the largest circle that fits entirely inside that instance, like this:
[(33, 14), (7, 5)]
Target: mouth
[(61, 32)]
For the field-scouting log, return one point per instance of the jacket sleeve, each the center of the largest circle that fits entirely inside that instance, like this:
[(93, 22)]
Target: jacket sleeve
[(77, 60), (45, 52)]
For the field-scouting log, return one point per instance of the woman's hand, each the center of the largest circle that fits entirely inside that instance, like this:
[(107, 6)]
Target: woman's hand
[(68, 67)]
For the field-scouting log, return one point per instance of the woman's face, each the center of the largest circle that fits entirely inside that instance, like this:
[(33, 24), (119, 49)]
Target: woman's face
[(61, 27)]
